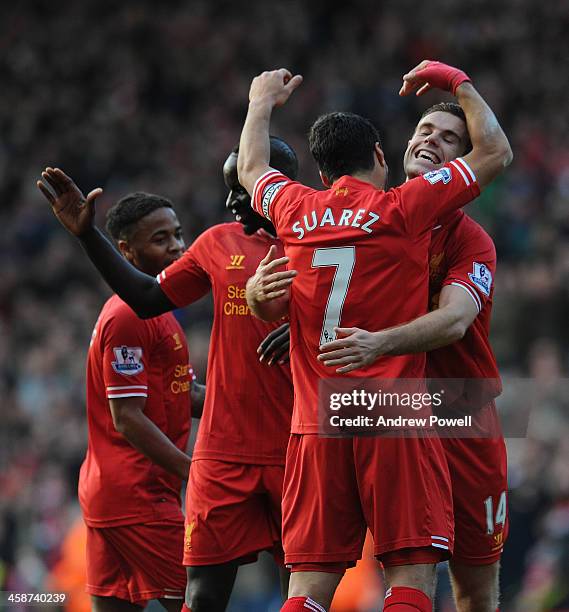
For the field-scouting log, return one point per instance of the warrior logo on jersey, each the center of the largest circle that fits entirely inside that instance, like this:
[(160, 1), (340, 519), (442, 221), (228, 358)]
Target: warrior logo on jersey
[(481, 277), (128, 360), (442, 174), (236, 262)]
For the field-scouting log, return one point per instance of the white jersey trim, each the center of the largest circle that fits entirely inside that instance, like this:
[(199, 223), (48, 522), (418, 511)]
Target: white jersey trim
[(441, 542), (313, 605), (461, 161), (470, 292), (133, 394), (267, 174), (127, 387), (461, 171), (464, 170)]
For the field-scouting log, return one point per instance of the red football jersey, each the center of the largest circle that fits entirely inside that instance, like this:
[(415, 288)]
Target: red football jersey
[(131, 357), (463, 254), (248, 405), (362, 260)]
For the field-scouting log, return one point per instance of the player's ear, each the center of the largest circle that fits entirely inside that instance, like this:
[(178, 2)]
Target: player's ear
[(125, 250), (379, 155), (324, 179)]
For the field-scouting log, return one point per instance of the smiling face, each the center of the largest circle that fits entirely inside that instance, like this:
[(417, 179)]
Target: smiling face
[(155, 242), (438, 138)]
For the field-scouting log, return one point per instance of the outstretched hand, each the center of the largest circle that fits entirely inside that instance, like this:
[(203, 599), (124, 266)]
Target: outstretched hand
[(75, 211), (429, 74), (275, 85)]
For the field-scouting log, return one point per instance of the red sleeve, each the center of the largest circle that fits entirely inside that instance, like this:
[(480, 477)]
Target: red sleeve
[(429, 197), (186, 280), (127, 341), (472, 265), (274, 194)]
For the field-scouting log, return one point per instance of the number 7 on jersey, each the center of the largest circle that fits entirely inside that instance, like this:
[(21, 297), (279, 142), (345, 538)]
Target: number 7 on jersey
[(343, 259)]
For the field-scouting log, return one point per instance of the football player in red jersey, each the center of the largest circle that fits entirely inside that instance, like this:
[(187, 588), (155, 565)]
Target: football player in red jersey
[(356, 234), (233, 500), (462, 265), (138, 413)]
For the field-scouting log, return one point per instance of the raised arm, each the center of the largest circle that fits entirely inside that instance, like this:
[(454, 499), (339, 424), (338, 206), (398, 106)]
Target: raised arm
[(359, 348), (77, 214), (491, 151), (268, 90)]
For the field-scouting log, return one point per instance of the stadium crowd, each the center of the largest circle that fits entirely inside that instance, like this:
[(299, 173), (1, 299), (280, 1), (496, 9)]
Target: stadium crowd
[(147, 96)]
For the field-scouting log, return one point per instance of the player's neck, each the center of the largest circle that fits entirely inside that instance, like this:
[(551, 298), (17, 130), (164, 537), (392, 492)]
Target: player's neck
[(266, 233), (373, 178)]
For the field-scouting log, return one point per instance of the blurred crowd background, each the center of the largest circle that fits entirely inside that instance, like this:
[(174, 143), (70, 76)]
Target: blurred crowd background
[(151, 96)]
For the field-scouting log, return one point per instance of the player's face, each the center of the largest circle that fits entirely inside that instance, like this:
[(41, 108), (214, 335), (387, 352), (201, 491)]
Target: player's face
[(156, 241), (238, 200), (438, 138)]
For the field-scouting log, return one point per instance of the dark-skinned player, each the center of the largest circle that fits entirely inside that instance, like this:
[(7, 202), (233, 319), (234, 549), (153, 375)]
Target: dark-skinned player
[(234, 490)]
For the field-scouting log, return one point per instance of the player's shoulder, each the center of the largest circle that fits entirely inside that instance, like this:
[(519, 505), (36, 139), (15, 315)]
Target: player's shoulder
[(398, 193), (467, 229), (443, 176), (209, 241), (273, 182), (117, 312), (222, 229)]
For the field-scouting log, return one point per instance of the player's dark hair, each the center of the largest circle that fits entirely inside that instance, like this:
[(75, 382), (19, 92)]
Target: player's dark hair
[(343, 143), (283, 157), (128, 211), (454, 109)]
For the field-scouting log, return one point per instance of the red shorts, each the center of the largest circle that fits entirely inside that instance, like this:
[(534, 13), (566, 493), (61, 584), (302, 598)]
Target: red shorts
[(137, 562), (478, 474), (334, 487), (233, 511)]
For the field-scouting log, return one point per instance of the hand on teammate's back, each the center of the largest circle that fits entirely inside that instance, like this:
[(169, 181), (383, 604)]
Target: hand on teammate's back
[(353, 349), (267, 284), (274, 85), (429, 74), (75, 211)]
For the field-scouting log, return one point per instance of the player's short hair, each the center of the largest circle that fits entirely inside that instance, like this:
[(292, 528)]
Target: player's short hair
[(129, 210), (454, 109), (343, 143), (283, 157)]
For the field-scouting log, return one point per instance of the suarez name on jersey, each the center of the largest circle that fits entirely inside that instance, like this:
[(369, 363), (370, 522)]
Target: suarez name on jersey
[(362, 259)]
